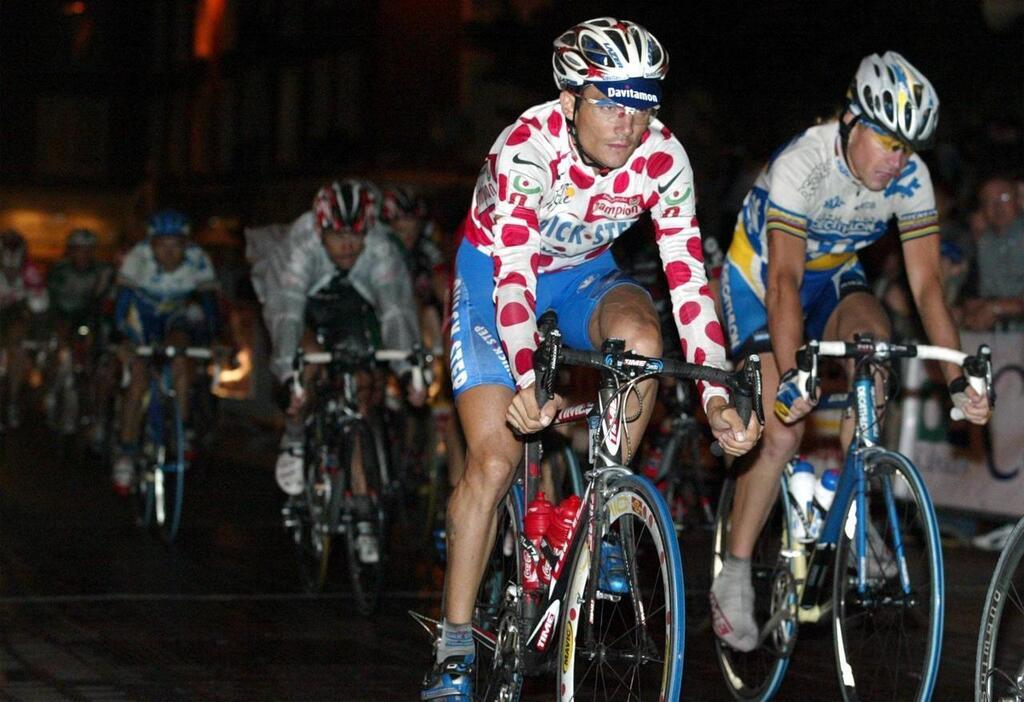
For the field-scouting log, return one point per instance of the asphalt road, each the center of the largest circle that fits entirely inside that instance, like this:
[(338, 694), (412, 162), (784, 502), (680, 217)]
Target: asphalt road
[(92, 608)]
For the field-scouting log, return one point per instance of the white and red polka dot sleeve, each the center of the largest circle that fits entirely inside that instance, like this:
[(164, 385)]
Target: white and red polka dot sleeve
[(679, 243), (522, 179)]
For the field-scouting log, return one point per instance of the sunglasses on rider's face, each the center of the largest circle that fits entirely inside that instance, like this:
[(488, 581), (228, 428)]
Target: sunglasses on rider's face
[(610, 110)]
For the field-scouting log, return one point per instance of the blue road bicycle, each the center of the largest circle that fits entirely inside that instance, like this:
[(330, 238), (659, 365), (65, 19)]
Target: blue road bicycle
[(875, 568), (159, 488)]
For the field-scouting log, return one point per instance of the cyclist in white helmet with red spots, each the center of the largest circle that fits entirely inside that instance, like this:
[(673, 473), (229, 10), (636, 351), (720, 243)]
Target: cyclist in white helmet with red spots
[(558, 187)]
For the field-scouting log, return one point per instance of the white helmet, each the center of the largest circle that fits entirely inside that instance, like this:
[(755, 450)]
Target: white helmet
[(607, 50), (893, 94)]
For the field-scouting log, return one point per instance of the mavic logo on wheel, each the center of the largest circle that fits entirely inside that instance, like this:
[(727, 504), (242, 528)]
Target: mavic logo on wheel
[(567, 647)]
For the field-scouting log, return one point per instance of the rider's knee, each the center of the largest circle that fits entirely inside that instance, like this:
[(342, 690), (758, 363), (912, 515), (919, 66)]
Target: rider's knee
[(779, 443), (488, 473), (642, 334)]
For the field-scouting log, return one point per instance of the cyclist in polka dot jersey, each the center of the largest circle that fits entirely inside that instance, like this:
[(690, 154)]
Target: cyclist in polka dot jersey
[(558, 187)]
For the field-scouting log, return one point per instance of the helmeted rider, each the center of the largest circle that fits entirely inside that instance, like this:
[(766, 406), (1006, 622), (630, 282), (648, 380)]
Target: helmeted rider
[(792, 274), (167, 294), (23, 297), (557, 188)]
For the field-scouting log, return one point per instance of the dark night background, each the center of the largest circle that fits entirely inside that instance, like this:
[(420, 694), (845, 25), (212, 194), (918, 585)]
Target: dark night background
[(239, 109)]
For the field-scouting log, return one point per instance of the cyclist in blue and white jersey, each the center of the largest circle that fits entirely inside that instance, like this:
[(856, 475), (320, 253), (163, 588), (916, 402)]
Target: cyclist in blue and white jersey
[(558, 187), (167, 295), (792, 273)]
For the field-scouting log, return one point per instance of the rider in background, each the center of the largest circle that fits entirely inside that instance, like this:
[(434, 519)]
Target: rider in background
[(558, 187), (335, 274), (23, 297), (167, 294), (792, 274), (80, 288)]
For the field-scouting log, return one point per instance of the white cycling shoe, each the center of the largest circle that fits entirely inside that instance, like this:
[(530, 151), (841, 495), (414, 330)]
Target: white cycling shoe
[(288, 471)]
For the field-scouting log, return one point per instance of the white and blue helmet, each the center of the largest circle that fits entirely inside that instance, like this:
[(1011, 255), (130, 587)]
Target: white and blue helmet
[(890, 92)]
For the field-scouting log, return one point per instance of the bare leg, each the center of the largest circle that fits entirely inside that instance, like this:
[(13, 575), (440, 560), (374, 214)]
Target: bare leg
[(493, 454), (626, 313)]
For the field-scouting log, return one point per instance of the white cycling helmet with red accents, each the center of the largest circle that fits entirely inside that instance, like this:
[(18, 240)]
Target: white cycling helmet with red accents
[(607, 50), (891, 93), (346, 204)]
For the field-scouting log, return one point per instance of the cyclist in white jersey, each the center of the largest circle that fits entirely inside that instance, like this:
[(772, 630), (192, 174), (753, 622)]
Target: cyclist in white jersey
[(792, 274), (559, 185)]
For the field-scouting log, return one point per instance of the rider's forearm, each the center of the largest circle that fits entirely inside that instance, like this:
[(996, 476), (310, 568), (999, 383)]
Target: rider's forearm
[(785, 322), (938, 322)]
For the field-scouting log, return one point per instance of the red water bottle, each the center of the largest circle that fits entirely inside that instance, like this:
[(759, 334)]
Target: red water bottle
[(560, 530), (535, 526)]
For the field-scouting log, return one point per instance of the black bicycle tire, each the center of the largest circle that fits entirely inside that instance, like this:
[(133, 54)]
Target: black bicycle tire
[(365, 579), (995, 601)]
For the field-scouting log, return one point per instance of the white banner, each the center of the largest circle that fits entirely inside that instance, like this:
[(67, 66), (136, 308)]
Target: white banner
[(978, 469)]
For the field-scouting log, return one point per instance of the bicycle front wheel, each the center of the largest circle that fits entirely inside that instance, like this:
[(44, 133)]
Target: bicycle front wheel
[(756, 675), (888, 587), (366, 526), (999, 670), (623, 638), (169, 472)]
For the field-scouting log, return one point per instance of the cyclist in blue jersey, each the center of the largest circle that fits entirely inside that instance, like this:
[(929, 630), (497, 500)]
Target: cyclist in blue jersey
[(792, 274), (167, 294)]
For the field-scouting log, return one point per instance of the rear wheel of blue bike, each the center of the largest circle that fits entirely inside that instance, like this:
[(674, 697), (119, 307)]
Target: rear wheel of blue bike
[(888, 595), (496, 612), (999, 670), (623, 636), (757, 674)]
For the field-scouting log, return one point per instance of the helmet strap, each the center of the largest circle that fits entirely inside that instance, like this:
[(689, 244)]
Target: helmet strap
[(587, 159), (844, 134)]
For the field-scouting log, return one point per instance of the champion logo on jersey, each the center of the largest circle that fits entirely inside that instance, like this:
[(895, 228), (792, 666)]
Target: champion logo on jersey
[(606, 206)]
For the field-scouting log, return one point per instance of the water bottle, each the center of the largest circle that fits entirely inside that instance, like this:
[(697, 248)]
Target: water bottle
[(801, 490), (561, 530), (825, 490), (535, 525)]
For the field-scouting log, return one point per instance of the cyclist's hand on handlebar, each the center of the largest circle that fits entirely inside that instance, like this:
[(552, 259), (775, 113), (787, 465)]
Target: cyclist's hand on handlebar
[(525, 417), (416, 397), (974, 406), (726, 425), (790, 404)]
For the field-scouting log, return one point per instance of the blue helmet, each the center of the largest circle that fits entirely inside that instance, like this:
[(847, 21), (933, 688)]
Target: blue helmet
[(168, 223)]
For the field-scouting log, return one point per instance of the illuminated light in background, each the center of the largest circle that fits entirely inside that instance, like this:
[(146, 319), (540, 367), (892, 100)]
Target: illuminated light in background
[(208, 40), (74, 8)]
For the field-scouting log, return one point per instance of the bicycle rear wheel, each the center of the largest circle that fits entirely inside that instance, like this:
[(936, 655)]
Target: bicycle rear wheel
[(999, 667), (888, 634), (496, 612), (628, 645), (756, 675)]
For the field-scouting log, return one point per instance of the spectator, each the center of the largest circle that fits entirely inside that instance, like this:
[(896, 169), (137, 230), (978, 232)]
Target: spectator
[(1000, 260)]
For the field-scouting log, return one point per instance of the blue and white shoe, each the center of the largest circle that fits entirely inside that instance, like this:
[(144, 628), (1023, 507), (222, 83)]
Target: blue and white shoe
[(613, 579), (451, 681)]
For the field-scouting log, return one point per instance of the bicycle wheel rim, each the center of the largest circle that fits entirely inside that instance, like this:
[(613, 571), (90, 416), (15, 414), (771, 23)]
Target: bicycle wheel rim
[(611, 652), (999, 669), (366, 579), (497, 671), (170, 475), (755, 675), (313, 538), (886, 642)]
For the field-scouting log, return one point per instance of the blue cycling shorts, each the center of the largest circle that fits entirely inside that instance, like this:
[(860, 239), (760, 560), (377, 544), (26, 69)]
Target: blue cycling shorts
[(747, 319), (573, 293)]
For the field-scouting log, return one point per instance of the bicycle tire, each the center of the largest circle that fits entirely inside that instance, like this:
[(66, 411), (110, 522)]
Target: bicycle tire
[(313, 534), (498, 672), (882, 649), (622, 648), (756, 675), (365, 578), (169, 473), (999, 674)]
